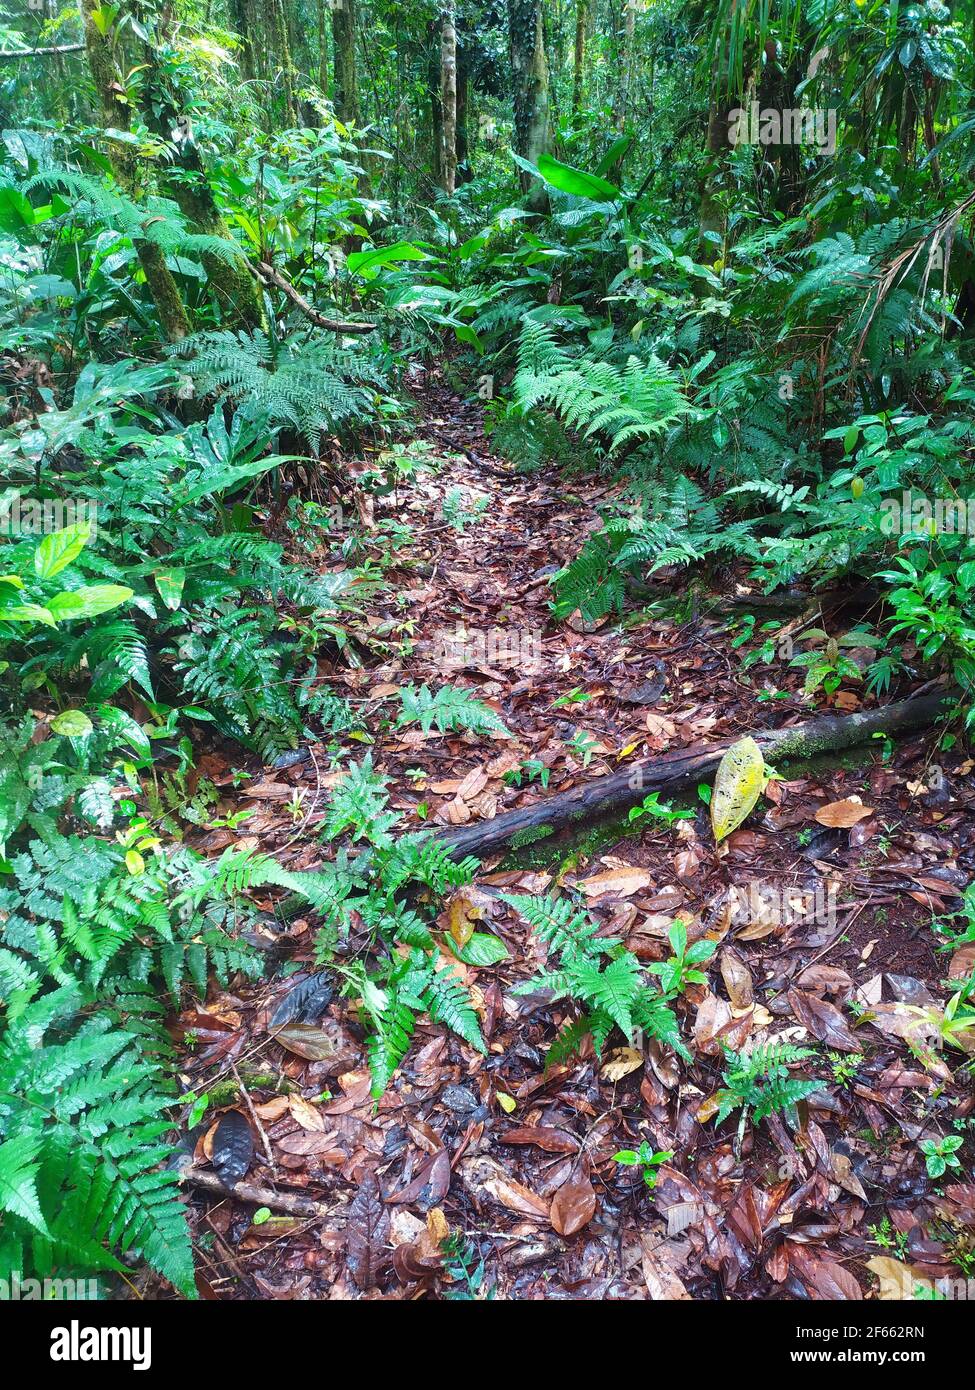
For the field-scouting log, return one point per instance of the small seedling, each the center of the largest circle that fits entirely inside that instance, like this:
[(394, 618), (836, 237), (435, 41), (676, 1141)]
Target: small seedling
[(645, 1158), (845, 1066), (531, 770), (574, 697), (582, 746), (941, 1154), (651, 808), (678, 972)]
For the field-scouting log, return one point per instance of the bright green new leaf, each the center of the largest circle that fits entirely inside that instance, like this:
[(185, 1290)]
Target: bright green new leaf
[(56, 551), (170, 585), (569, 180), (368, 262)]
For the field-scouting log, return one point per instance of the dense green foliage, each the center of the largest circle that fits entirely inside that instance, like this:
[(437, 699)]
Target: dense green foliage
[(226, 232)]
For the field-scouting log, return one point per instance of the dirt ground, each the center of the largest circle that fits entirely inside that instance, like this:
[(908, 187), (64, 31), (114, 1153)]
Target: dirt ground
[(824, 936)]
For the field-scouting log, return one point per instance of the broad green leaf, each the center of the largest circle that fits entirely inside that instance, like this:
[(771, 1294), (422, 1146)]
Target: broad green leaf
[(368, 262), (570, 180), (614, 154), (56, 551), (737, 786), (88, 601), (170, 585), (481, 949), (27, 613), (16, 212), (73, 723)]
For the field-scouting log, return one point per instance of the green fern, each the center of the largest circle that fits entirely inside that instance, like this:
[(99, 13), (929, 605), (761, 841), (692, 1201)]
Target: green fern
[(759, 1082), (450, 709)]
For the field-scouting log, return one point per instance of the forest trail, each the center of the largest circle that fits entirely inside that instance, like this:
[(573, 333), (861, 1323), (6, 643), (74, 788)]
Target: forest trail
[(513, 1158)]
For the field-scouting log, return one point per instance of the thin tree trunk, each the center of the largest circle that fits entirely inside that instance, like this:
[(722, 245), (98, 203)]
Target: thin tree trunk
[(345, 87), (239, 20), (579, 54), (107, 78), (448, 96), (436, 104), (529, 70), (626, 62), (282, 47), (463, 90)]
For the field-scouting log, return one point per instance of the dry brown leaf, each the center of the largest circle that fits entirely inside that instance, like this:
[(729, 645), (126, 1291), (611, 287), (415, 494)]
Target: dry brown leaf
[(840, 815), (737, 980), (555, 1141), (306, 1114), (662, 1282), (574, 1205), (620, 882), (621, 1062)]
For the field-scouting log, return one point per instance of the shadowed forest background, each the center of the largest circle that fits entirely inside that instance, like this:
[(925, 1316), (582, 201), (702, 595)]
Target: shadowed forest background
[(487, 648)]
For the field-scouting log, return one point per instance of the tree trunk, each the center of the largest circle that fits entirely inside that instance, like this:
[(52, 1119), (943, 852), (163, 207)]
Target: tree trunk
[(626, 63), (611, 795), (282, 47), (115, 110), (230, 282), (241, 27), (529, 70), (463, 89), (436, 103), (448, 96), (345, 87), (579, 54)]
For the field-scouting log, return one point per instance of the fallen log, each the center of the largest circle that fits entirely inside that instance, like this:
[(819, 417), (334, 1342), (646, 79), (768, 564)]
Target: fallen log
[(672, 771)]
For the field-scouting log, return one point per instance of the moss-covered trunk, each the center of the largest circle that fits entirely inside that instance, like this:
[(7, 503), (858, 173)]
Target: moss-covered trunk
[(345, 85), (529, 71), (100, 44), (448, 96)]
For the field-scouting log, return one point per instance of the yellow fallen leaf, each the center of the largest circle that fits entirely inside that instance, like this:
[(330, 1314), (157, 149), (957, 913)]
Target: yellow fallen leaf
[(306, 1114), (896, 1279), (508, 1103), (738, 784), (437, 1227)]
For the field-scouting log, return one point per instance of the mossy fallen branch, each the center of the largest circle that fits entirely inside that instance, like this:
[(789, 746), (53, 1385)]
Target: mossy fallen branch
[(611, 795)]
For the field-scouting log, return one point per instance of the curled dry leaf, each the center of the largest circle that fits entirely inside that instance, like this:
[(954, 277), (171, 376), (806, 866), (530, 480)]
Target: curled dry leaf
[(621, 1062)]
